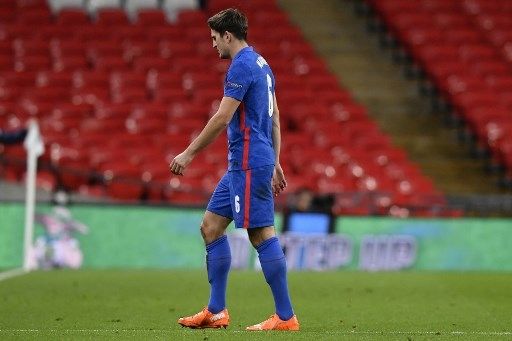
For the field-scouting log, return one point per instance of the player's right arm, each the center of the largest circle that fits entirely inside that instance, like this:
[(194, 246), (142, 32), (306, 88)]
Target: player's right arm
[(278, 179), (213, 128), (238, 80)]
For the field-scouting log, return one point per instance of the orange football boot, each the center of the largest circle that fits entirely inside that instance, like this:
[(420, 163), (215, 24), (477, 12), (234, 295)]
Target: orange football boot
[(205, 319), (275, 323)]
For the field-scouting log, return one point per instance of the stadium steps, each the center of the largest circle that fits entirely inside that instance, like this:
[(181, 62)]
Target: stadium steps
[(353, 54)]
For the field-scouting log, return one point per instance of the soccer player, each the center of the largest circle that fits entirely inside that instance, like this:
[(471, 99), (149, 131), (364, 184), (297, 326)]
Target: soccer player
[(246, 192)]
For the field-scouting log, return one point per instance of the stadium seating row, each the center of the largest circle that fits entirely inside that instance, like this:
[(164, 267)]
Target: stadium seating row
[(37, 7)]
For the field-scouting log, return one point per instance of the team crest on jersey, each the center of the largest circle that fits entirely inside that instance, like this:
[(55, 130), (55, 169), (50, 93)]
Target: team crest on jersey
[(233, 85)]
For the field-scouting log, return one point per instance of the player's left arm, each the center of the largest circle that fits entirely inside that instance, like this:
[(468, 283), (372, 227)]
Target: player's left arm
[(278, 179), (213, 128)]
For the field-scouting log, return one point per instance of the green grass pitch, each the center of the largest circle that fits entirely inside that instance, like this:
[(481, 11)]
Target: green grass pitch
[(145, 304)]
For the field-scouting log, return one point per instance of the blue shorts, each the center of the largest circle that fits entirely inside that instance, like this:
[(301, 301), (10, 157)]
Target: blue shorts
[(245, 197)]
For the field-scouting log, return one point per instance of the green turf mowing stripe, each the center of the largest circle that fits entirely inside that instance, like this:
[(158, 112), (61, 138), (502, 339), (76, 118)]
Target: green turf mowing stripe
[(145, 304)]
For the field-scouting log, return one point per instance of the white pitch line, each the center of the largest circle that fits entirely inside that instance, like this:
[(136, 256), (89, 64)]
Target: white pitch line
[(340, 332), (11, 273)]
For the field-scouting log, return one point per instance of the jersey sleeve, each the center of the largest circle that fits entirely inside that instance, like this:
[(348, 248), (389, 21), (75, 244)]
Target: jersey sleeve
[(238, 81)]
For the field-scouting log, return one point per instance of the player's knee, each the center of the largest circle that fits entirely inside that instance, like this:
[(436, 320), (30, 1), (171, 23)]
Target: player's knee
[(255, 241), (205, 231), (203, 234), (209, 232), (259, 235)]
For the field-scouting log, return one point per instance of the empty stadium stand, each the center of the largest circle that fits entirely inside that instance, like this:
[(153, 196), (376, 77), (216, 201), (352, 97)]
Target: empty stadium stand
[(464, 49), (119, 92)]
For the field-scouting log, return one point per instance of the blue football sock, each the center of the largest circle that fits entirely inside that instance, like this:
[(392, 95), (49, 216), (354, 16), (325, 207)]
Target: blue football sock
[(273, 264), (218, 261)]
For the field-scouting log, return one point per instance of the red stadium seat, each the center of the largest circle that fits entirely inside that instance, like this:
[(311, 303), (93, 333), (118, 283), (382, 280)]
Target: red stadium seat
[(90, 79), (70, 63), (90, 95), (134, 49), (67, 47), (191, 18), (72, 17), (119, 110), (165, 33), (7, 15), (125, 188), (111, 17), (90, 33), (151, 18), (145, 64), (132, 33), (128, 79), (38, 16), (184, 64), (131, 94), (170, 95)]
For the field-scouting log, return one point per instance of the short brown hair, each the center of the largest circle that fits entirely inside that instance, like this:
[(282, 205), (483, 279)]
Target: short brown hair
[(230, 20)]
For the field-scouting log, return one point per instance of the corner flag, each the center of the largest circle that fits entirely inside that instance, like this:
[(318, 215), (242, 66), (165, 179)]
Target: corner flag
[(33, 140), (35, 148)]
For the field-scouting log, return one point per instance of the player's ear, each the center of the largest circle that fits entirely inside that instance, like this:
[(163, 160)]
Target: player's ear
[(229, 36)]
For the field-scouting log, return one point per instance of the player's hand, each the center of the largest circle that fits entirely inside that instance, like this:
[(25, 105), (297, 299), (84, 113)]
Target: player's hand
[(278, 180), (180, 162)]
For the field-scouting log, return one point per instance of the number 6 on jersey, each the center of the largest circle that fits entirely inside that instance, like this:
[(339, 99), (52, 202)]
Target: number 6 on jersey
[(270, 96)]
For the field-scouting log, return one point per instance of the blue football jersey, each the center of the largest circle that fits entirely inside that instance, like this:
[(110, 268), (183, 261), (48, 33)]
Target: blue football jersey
[(250, 80)]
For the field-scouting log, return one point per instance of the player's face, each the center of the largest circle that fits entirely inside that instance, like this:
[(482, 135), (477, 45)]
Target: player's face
[(220, 43)]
